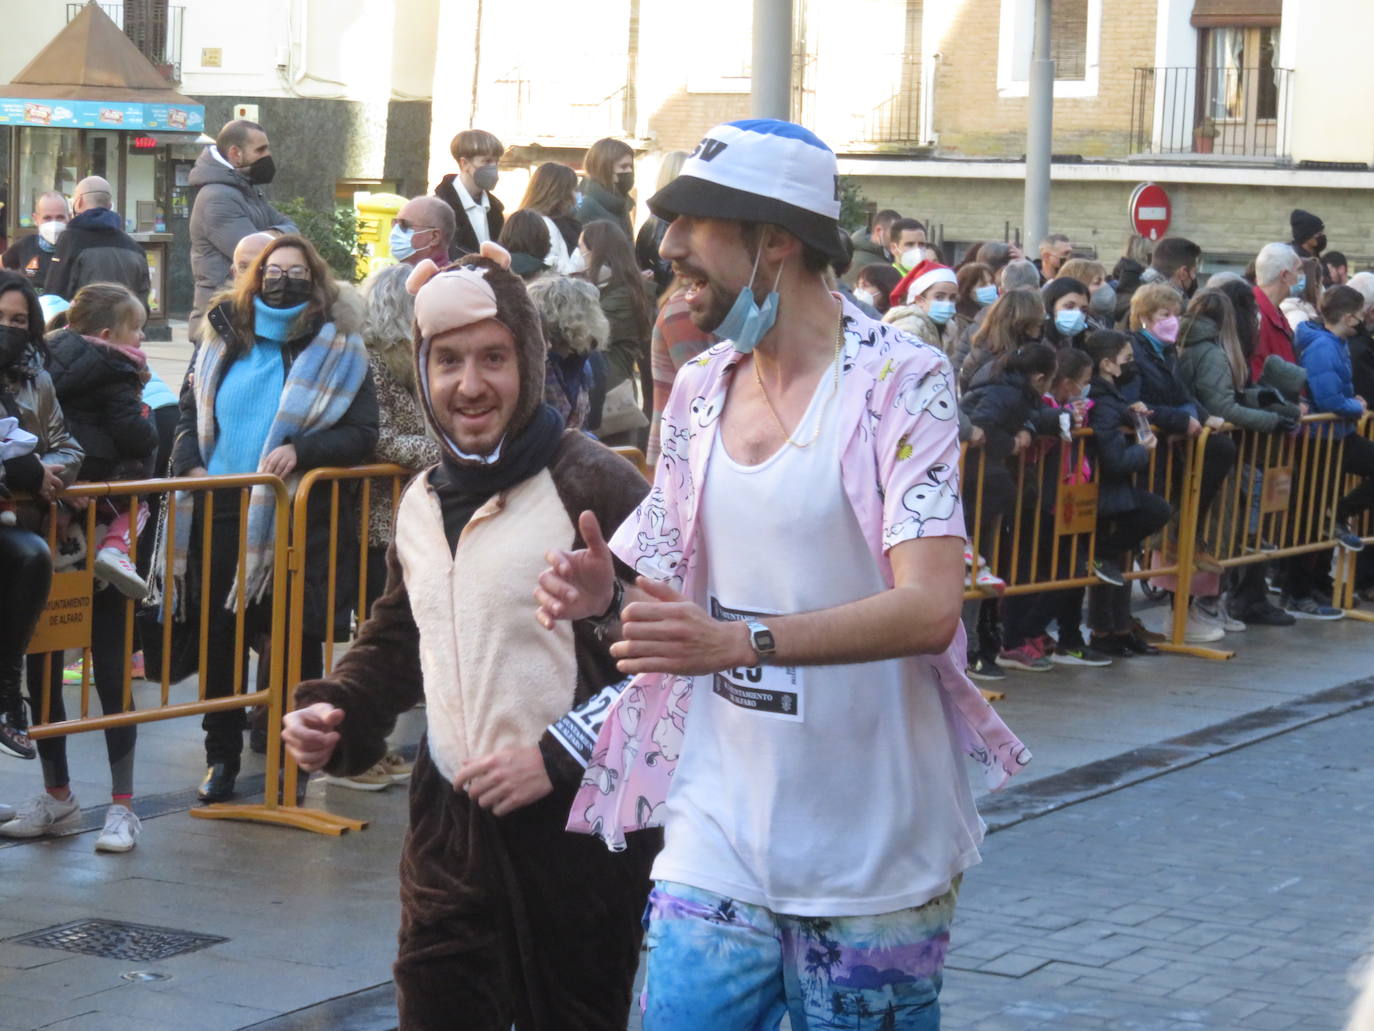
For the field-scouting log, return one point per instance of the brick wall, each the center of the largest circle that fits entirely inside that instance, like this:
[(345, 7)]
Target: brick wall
[(972, 119), (683, 118)]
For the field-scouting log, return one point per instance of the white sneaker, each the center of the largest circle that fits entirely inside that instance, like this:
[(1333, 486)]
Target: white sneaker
[(1200, 629), (42, 815), (114, 567), (121, 830), (1219, 616)]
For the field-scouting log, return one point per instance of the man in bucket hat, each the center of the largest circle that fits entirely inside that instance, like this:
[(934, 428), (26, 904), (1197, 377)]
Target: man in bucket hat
[(800, 573), (505, 918)]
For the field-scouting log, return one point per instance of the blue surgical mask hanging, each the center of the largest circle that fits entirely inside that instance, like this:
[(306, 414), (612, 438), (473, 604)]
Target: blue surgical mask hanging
[(747, 322)]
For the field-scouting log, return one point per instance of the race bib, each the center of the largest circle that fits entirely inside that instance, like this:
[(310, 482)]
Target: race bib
[(578, 730), (774, 691)]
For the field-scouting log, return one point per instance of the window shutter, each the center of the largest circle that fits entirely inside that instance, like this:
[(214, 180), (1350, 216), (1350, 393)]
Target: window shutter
[(1069, 39), (1211, 14)]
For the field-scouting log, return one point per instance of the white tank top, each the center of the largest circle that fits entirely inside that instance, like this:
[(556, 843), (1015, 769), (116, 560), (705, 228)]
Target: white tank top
[(822, 790)]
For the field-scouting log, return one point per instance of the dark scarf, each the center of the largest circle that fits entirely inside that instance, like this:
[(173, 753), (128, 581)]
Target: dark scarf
[(464, 487)]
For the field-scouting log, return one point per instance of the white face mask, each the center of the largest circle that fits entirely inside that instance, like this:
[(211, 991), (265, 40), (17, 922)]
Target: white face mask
[(48, 232), (867, 297), (912, 256)]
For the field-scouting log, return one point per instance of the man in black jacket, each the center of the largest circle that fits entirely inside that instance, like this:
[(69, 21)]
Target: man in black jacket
[(95, 248), (479, 215), (32, 255)]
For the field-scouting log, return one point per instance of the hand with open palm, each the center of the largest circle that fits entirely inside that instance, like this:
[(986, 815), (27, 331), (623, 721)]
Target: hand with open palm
[(578, 584)]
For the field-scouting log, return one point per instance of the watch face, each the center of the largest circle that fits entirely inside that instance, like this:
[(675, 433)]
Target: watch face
[(762, 640)]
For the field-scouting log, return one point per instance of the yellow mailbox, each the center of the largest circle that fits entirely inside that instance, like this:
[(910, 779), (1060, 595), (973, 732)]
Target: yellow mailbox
[(376, 212)]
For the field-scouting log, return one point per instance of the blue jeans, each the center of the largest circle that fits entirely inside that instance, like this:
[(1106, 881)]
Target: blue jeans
[(731, 966)]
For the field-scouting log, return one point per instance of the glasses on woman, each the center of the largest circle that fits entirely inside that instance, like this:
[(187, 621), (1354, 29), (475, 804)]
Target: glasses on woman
[(273, 273)]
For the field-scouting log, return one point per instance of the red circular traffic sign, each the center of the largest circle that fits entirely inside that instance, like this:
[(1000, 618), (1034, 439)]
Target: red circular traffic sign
[(1150, 211)]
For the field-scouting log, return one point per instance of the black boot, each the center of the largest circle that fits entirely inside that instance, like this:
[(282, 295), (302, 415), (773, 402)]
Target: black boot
[(218, 785), (14, 724)]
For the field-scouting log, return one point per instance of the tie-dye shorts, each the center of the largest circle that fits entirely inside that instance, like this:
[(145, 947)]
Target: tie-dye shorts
[(730, 966)]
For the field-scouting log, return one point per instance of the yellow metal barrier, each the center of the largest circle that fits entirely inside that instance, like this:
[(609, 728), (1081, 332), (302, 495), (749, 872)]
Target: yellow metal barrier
[(331, 479), (270, 810), (1347, 563)]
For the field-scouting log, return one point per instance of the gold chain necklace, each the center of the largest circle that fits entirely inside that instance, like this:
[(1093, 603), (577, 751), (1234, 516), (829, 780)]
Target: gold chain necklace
[(834, 389)]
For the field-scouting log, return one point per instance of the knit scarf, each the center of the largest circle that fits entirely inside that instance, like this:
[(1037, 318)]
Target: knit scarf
[(320, 386), (463, 487)]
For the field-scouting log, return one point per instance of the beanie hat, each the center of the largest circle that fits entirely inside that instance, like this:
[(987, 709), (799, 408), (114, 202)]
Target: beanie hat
[(480, 287), (761, 170), (920, 279), (1285, 377), (1305, 225)]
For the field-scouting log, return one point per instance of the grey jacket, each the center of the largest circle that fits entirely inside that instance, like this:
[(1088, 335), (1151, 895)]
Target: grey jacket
[(228, 207), (1204, 370)]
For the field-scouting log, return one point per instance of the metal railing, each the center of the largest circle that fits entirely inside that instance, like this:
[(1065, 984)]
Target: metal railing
[(898, 118), (1227, 112), (162, 44)]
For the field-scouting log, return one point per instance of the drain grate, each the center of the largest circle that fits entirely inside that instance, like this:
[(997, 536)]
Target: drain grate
[(114, 939)]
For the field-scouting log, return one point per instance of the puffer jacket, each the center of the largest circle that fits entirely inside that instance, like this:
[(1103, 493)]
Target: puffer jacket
[(27, 393), (1003, 406), (1158, 385), (1330, 381), (101, 393), (227, 208), (1119, 459), (96, 249), (1206, 373)]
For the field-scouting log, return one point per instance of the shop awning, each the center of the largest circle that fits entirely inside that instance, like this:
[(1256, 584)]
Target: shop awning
[(91, 76)]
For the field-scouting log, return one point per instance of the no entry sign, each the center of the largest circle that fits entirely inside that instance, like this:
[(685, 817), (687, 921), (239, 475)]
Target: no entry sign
[(1150, 211)]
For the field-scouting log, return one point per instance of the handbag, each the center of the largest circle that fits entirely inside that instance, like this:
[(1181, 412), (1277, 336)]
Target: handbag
[(622, 411)]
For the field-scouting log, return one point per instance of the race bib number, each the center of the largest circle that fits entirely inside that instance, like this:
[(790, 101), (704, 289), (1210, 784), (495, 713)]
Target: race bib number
[(578, 730), (774, 691)]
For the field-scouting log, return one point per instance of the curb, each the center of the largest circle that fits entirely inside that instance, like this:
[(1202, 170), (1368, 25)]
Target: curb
[(1093, 780)]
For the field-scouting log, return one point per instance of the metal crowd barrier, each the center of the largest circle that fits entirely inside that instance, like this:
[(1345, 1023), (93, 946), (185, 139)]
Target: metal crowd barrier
[(69, 612), (1347, 564), (1278, 502)]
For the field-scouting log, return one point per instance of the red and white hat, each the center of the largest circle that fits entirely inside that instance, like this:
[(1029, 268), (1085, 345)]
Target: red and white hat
[(920, 279)]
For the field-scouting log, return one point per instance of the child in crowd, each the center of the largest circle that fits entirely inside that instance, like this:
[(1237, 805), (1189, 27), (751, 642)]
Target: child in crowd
[(1126, 512), (99, 372), (1028, 616), (1008, 410), (1323, 350)]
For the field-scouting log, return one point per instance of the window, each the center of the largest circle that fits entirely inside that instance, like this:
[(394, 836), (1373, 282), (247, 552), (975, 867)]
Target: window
[(1075, 36)]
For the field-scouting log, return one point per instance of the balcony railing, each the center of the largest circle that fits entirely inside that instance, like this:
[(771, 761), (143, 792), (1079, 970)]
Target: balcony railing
[(1224, 112), (161, 46)]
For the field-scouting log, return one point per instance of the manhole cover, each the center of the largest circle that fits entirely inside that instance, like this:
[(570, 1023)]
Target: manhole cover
[(114, 939)]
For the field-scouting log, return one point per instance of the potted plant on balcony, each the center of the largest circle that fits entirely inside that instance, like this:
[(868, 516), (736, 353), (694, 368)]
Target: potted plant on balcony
[(1204, 136)]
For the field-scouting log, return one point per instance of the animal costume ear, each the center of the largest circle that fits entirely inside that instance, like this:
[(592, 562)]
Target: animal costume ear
[(494, 252), (424, 272)]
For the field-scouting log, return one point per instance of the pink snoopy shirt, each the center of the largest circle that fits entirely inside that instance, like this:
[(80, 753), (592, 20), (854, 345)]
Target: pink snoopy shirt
[(899, 470)]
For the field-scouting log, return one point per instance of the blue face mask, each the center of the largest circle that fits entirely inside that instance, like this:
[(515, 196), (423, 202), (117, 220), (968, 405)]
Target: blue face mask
[(941, 312), (400, 241), (1297, 288), (1071, 323), (985, 295), (747, 322)]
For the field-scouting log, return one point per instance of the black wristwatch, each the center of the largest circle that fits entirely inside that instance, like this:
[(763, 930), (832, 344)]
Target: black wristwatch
[(761, 640)]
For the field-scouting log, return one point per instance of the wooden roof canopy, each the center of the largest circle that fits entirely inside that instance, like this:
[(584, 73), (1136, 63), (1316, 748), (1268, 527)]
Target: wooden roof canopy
[(92, 59)]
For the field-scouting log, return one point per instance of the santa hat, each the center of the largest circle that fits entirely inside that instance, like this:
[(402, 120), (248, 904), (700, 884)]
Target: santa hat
[(920, 279), (478, 287)]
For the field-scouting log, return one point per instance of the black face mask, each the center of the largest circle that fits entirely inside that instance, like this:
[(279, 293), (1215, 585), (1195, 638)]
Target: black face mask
[(1320, 244), (13, 342), (1127, 374), (285, 293), (262, 171), (625, 181)]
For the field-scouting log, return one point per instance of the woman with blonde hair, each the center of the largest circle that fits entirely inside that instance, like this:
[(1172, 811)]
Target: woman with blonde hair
[(650, 236)]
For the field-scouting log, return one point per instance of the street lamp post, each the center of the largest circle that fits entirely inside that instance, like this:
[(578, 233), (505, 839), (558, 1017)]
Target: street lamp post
[(771, 87), (1039, 132)]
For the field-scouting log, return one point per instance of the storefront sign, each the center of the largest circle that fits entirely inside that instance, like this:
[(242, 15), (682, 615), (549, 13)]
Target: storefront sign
[(66, 619), (98, 114)]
